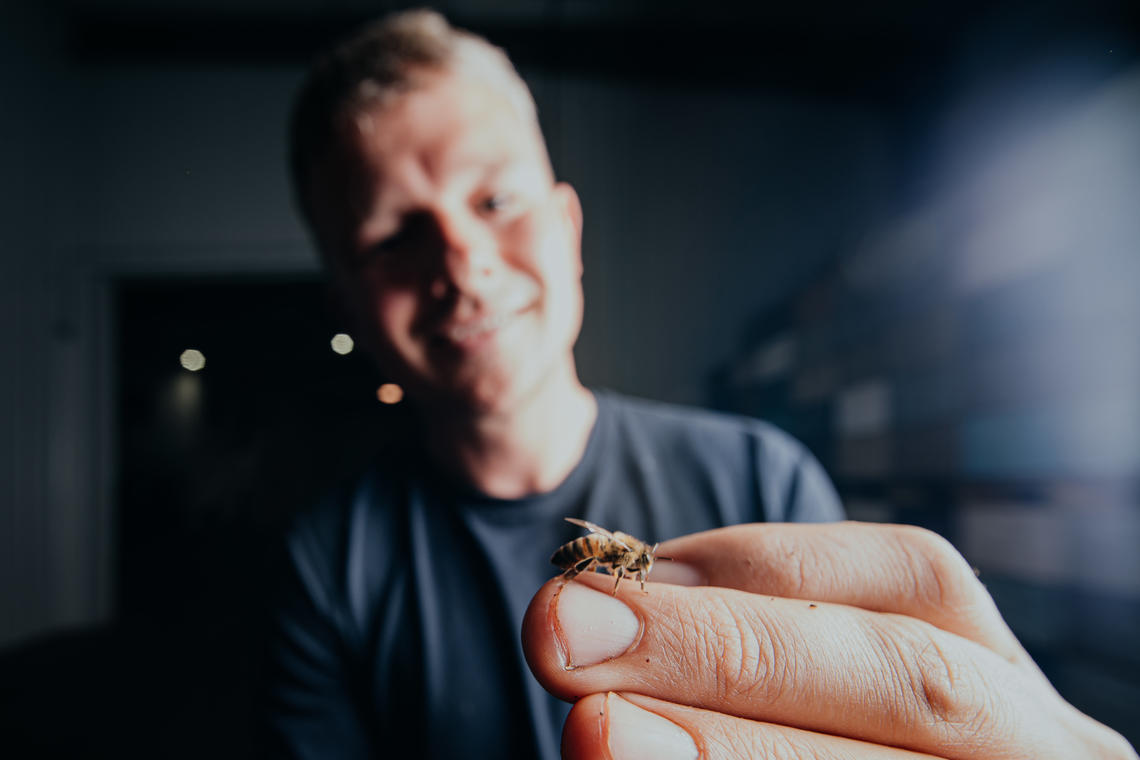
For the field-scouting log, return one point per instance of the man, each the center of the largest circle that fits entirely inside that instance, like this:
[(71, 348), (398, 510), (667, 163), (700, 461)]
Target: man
[(422, 172)]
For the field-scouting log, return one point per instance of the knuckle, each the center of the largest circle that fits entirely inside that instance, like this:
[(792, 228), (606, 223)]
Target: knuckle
[(944, 693), (941, 686), (740, 652), (940, 576), (789, 561)]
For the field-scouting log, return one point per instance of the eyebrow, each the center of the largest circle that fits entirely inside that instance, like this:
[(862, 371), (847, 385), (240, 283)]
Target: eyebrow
[(482, 168)]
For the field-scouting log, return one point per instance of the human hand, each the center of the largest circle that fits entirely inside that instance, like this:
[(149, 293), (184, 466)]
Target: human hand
[(839, 640)]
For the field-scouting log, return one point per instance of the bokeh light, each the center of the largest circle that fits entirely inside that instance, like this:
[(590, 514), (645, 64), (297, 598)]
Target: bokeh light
[(390, 393), (192, 359), (342, 343)]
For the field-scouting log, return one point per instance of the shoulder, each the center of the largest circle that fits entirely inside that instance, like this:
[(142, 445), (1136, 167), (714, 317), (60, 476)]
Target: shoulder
[(786, 481), (673, 423)]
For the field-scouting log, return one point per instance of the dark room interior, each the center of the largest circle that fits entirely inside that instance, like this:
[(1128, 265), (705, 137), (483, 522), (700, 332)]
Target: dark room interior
[(905, 233)]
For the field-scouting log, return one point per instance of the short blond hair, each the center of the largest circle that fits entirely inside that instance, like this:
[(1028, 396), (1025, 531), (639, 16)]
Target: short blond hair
[(380, 62)]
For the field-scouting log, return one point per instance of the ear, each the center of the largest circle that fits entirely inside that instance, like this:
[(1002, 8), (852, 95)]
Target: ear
[(571, 205), (571, 208)]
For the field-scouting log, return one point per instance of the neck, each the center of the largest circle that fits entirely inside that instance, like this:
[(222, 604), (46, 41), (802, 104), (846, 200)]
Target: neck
[(529, 448)]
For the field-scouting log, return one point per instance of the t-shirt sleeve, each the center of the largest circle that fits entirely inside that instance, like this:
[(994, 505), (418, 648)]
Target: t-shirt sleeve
[(793, 484), (813, 497), (311, 711)]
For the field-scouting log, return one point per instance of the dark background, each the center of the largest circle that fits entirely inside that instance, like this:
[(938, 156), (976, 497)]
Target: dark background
[(906, 232)]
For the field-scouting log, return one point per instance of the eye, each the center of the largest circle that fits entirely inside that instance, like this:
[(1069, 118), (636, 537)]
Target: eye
[(496, 202), (383, 247)]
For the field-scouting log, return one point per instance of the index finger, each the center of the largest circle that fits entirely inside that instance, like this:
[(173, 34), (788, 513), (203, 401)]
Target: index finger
[(825, 668), (883, 568)]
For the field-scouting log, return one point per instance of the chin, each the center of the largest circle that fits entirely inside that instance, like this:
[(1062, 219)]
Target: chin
[(493, 387), (502, 391), (497, 395), (463, 397)]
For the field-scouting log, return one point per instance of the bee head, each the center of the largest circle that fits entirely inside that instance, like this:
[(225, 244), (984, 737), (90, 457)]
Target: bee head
[(647, 559)]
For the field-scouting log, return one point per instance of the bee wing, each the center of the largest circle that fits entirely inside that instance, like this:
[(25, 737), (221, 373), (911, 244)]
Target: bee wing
[(593, 528), (590, 526)]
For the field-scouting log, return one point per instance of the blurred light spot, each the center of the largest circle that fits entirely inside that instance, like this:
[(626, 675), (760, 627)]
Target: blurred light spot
[(1092, 437), (863, 409), (186, 396), (192, 359), (342, 343), (815, 383), (771, 360), (1042, 551), (868, 456), (390, 393), (183, 409)]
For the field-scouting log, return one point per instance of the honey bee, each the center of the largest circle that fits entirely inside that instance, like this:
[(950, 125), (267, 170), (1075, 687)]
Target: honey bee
[(620, 552)]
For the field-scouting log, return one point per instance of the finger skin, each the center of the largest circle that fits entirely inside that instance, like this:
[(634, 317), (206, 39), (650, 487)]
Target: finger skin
[(718, 736), (902, 609), (829, 668), (585, 735), (886, 568)]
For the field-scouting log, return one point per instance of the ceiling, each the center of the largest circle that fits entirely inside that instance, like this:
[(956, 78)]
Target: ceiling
[(880, 50)]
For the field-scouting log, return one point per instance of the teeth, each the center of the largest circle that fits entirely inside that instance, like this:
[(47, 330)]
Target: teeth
[(463, 332)]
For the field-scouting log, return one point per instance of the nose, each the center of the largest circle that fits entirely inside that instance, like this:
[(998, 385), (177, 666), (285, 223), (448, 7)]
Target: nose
[(469, 257)]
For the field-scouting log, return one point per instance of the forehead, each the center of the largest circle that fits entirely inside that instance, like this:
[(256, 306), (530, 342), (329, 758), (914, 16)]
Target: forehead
[(450, 121)]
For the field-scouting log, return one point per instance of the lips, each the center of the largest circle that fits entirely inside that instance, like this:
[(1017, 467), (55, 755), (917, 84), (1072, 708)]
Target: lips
[(467, 331), (473, 332)]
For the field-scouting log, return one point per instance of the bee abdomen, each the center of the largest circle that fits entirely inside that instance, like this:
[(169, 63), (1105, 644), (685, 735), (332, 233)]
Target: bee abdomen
[(572, 552)]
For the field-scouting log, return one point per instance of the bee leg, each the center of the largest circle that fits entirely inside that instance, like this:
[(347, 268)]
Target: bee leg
[(575, 569), (619, 573), (641, 577)]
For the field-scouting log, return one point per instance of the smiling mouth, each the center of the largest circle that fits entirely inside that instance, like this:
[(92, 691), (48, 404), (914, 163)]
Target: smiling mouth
[(470, 332)]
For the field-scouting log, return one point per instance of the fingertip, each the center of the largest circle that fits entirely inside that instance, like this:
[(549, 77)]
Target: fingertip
[(539, 636), (678, 574), (584, 733)]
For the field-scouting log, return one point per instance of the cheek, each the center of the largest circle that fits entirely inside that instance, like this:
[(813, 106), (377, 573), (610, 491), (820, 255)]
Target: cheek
[(562, 276), (384, 311), (394, 311), (544, 250)]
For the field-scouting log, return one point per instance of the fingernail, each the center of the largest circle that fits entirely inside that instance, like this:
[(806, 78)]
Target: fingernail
[(677, 573), (592, 627), (637, 734)]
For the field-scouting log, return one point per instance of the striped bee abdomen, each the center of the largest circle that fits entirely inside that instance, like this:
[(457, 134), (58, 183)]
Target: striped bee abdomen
[(573, 552)]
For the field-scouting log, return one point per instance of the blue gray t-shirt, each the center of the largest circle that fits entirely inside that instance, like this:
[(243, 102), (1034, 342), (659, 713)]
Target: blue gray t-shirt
[(399, 633)]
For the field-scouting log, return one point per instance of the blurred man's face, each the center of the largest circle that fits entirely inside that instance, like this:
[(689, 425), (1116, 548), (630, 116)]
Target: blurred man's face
[(457, 251)]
